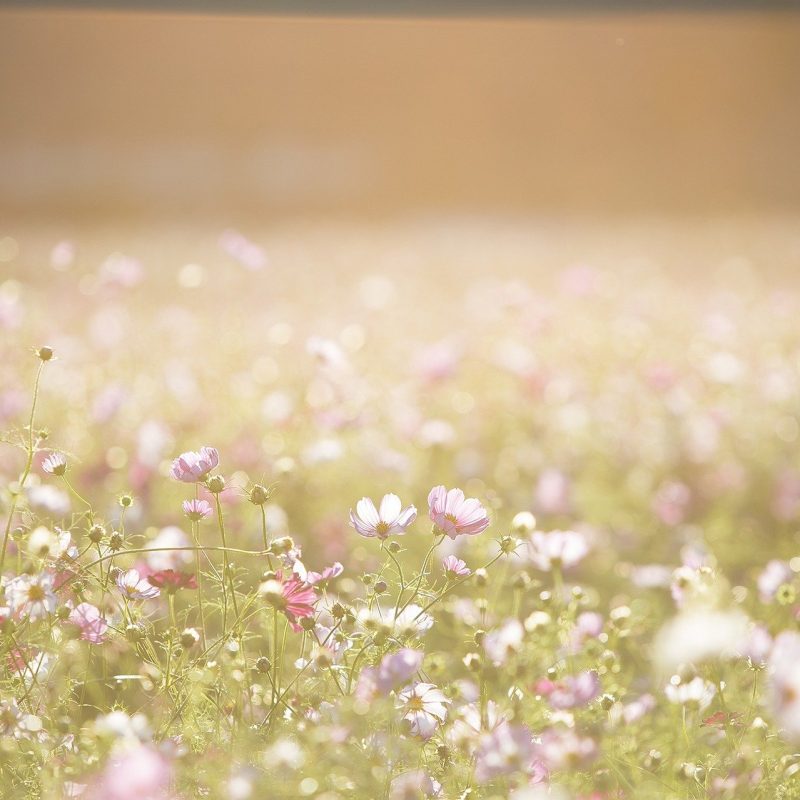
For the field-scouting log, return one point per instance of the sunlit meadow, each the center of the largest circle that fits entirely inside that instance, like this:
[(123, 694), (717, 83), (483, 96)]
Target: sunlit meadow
[(424, 512)]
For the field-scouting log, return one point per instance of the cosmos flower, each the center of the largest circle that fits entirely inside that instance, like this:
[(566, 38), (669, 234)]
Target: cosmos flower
[(291, 595), (454, 515), (563, 549), (562, 748), (394, 670), (414, 785), (503, 751), (327, 574), (455, 568), (571, 691), (424, 706), (55, 464), (502, 642), (170, 580), (784, 682), (191, 467), (390, 519), (197, 509), (136, 773), (696, 693), (134, 587), (31, 596), (91, 624)]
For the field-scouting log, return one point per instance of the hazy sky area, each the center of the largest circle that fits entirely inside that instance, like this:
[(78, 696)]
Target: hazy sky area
[(144, 115)]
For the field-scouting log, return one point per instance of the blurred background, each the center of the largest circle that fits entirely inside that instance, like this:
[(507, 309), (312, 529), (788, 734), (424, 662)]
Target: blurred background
[(154, 116)]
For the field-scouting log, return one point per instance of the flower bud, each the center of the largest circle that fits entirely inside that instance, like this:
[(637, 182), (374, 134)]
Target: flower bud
[(116, 541), (96, 533), (126, 501), (215, 483), (259, 495), (189, 638), (394, 547), (307, 623), (281, 545), (263, 664), (44, 353), (380, 587)]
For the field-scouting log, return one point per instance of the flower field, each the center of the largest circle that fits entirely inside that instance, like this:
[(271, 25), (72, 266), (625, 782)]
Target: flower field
[(355, 514)]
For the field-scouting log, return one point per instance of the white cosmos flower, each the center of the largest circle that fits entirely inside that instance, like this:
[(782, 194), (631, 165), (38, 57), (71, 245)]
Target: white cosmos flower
[(31, 596), (424, 706)]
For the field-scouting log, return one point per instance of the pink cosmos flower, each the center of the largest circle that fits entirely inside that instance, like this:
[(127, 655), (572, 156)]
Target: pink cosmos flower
[(170, 580), (505, 750), (553, 492), (291, 595), (572, 691), (424, 706), (556, 548), (141, 773), (197, 509), (327, 574), (55, 464), (414, 785), (671, 502), (191, 467), (91, 624), (562, 748), (134, 587), (390, 519), (784, 682), (393, 671), (453, 514), (455, 568)]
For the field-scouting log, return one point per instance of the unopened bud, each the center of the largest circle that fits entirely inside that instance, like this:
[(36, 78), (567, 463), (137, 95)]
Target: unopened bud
[(215, 484)]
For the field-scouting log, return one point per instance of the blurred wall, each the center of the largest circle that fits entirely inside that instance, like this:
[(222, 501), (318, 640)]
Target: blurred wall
[(143, 114)]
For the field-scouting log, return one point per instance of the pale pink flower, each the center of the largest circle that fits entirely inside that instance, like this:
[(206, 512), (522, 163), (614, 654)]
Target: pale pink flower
[(671, 502), (197, 509), (191, 467), (390, 519), (561, 549), (505, 750), (141, 773), (562, 748), (784, 682), (571, 691), (454, 568), (453, 514), (91, 624), (134, 587), (414, 785), (55, 464), (504, 641), (772, 577), (424, 706), (553, 492), (327, 574)]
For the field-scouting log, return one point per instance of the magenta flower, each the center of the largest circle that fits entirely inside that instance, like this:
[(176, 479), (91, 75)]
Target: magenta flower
[(390, 519), (191, 467), (91, 624), (455, 568), (134, 587), (197, 509), (291, 595), (453, 514)]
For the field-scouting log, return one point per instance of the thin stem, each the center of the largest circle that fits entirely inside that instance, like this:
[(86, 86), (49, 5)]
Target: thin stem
[(26, 472)]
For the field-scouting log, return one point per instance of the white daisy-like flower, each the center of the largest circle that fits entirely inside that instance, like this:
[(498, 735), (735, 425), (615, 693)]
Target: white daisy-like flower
[(31, 596), (424, 706)]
